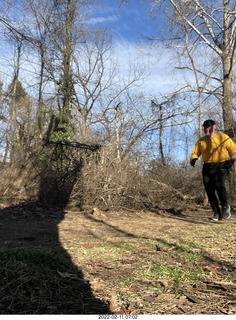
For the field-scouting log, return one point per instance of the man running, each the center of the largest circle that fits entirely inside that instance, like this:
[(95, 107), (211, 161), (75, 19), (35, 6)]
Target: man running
[(218, 153)]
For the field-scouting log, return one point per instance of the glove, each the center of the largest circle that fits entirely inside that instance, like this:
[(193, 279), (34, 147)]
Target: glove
[(193, 161), (229, 163)]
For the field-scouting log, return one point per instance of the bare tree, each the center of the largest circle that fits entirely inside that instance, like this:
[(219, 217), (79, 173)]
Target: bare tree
[(214, 25), (36, 14), (61, 31), (15, 130), (204, 73), (118, 148), (93, 75)]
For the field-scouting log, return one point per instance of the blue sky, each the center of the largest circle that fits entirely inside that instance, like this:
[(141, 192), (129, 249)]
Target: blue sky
[(131, 25), (129, 21)]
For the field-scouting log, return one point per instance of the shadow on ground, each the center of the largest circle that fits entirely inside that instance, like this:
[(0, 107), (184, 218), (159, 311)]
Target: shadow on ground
[(37, 275)]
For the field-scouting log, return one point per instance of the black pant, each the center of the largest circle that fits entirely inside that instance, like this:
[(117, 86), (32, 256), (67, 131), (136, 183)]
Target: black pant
[(214, 176)]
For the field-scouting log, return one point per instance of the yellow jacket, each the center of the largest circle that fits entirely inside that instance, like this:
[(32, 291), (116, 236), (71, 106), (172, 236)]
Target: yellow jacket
[(214, 149)]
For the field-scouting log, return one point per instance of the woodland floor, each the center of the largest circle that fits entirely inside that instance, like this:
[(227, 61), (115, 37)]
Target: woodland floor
[(173, 260)]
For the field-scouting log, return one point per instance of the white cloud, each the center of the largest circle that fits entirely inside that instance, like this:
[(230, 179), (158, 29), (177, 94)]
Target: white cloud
[(160, 73), (104, 20)]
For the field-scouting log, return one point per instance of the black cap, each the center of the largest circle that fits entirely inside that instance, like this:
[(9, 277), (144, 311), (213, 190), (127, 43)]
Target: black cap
[(208, 123)]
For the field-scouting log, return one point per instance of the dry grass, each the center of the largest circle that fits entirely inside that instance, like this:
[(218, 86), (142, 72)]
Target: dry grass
[(171, 261)]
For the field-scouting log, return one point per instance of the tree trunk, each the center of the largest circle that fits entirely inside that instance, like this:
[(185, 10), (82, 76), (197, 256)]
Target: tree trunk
[(160, 137), (17, 143), (118, 151), (228, 49), (227, 96), (40, 103)]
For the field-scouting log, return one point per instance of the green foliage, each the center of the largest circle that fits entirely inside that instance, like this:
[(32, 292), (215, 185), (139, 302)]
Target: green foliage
[(153, 271), (174, 273), (64, 131), (66, 89), (63, 134)]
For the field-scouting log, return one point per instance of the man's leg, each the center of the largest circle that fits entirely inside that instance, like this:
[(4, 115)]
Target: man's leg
[(222, 193), (210, 187)]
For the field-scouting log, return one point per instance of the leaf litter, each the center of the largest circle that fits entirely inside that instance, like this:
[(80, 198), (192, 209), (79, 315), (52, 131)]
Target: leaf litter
[(118, 262)]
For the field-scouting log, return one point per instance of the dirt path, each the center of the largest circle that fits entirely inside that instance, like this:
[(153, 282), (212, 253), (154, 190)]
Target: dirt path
[(173, 260), (121, 254)]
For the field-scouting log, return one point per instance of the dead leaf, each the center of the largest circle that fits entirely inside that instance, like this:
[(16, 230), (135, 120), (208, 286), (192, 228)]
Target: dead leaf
[(165, 297), (134, 288), (183, 309), (115, 308), (89, 245), (96, 211), (108, 267), (212, 269), (113, 304), (52, 308), (128, 261), (163, 282), (70, 276), (134, 311), (192, 298), (149, 299), (123, 310)]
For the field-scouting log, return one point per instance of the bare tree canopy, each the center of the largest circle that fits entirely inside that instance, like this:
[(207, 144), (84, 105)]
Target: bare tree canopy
[(212, 23)]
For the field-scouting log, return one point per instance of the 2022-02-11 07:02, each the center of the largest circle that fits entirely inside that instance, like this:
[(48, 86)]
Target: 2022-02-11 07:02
[(117, 316)]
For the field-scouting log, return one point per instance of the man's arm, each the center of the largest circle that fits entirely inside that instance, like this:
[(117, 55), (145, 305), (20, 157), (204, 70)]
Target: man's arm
[(233, 155), (231, 147), (195, 154), (193, 161)]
